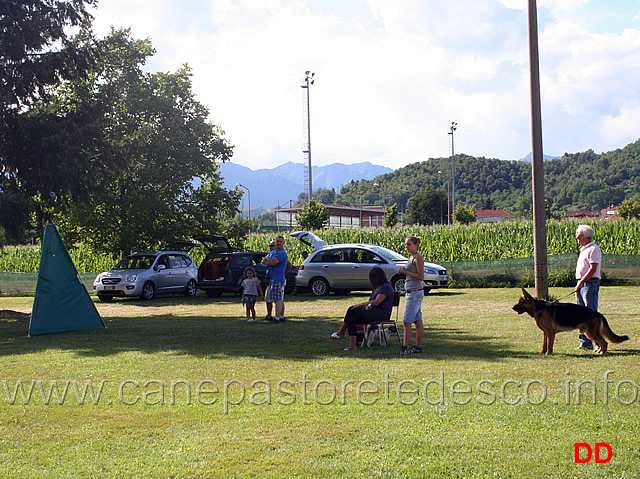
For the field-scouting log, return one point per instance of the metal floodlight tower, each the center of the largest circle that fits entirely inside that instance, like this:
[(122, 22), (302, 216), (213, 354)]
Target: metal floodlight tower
[(308, 80), (453, 127)]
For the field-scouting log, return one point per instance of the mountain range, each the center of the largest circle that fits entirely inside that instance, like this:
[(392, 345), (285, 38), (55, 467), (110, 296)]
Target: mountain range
[(545, 157), (270, 187)]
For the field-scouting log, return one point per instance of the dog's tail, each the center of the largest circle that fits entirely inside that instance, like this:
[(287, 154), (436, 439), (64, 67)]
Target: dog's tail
[(610, 335)]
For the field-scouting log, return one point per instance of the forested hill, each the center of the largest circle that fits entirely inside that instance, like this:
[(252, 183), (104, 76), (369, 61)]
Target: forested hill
[(575, 181)]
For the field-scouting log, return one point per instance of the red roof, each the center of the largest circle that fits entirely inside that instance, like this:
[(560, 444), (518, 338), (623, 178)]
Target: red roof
[(485, 213)]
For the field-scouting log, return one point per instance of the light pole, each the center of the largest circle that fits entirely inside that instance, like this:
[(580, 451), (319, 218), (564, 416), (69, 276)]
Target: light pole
[(238, 185), (381, 193), (453, 167), (308, 80)]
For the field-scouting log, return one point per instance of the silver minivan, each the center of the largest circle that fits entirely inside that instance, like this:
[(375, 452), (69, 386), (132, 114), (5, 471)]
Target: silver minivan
[(148, 274), (345, 267)]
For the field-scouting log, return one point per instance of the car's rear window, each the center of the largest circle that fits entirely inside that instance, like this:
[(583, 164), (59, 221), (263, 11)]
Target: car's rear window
[(243, 260), (332, 256)]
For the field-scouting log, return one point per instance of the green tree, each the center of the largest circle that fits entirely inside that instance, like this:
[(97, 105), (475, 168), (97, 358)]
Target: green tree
[(325, 196), (391, 215), (629, 209), (488, 204), (35, 50), (312, 216), (36, 54), (426, 208), (464, 214), (15, 213), (168, 186)]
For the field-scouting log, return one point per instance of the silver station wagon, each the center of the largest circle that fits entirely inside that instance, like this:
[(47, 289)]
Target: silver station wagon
[(345, 267), (148, 274)]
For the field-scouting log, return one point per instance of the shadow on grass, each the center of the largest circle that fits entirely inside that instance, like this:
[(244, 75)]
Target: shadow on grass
[(229, 336), (180, 300), (592, 355)]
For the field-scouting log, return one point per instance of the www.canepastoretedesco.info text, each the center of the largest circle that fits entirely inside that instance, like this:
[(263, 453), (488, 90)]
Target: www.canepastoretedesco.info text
[(437, 390)]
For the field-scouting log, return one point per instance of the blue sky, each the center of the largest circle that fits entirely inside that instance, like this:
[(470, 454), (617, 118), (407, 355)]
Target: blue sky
[(392, 76)]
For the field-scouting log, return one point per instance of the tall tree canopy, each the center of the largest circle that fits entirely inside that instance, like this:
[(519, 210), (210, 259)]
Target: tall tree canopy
[(35, 55), (119, 157), (162, 147), (35, 51)]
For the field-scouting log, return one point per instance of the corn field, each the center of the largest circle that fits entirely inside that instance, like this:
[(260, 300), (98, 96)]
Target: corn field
[(476, 242)]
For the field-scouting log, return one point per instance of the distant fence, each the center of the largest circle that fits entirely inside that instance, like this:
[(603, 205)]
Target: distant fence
[(623, 267), (13, 283)]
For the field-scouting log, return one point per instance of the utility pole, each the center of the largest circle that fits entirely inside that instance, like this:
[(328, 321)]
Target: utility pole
[(537, 167)]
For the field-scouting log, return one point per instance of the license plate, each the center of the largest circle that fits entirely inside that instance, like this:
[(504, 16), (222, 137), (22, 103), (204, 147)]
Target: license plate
[(109, 287)]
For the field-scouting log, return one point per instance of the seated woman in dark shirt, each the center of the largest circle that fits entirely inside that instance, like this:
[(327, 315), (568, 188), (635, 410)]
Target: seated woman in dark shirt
[(377, 309)]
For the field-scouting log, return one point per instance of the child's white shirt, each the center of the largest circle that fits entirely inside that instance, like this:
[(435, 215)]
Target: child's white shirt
[(250, 286)]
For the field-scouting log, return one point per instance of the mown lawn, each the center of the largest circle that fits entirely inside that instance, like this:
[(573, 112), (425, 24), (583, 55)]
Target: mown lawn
[(184, 387)]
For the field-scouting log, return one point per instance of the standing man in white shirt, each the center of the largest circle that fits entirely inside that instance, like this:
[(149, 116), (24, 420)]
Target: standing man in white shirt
[(588, 275)]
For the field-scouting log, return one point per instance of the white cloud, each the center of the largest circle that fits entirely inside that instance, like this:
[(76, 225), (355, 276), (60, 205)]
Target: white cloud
[(391, 76)]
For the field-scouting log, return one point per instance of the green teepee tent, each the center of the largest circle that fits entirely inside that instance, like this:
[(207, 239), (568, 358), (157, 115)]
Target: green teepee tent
[(62, 303)]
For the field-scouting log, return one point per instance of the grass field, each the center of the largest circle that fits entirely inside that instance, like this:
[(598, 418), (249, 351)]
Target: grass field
[(184, 387)]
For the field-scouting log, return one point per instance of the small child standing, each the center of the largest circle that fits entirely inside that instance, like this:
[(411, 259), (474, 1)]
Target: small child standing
[(250, 289)]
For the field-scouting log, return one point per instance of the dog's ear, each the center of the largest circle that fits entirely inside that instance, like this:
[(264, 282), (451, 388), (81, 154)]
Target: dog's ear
[(525, 294)]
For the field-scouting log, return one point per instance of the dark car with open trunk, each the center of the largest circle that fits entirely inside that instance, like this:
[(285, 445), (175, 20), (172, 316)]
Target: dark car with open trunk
[(222, 269)]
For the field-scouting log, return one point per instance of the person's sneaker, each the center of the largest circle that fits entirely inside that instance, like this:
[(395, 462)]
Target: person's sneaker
[(585, 346), (416, 350), (404, 351), (251, 320)]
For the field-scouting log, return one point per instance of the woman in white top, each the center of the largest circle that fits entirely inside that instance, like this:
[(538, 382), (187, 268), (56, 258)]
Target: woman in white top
[(414, 293)]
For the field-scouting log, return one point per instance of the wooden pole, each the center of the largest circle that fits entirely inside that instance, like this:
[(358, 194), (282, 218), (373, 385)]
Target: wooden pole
[(537, 157)]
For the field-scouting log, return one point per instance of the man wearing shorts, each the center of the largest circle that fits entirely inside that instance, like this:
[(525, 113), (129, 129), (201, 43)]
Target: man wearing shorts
[(277, 261)]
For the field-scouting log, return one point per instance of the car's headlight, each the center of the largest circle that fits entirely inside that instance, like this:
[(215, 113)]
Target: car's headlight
[(132, 277), (98, 278), (429, 271)]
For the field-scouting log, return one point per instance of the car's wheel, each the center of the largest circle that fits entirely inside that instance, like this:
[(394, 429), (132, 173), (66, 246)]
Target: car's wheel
[(398, 283), (104, 298), (191, 289), (148, 291), (319, 287), (214, 293)]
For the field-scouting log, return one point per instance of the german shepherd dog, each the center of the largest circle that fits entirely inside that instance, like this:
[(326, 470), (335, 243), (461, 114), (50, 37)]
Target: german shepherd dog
[(554, 318)]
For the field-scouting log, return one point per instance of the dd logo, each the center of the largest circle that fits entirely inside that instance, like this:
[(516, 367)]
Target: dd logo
[(597, 447)]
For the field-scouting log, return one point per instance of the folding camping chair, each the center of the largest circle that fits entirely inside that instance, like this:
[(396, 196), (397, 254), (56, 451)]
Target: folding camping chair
[(390, 321)]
